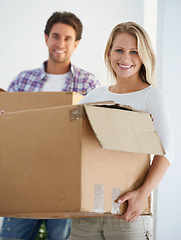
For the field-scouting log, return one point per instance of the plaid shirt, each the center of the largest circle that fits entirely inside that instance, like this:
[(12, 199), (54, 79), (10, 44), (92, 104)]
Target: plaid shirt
[(33, 81)]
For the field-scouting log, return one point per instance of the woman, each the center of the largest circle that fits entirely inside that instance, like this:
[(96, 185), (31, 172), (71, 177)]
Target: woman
[(130, 60)]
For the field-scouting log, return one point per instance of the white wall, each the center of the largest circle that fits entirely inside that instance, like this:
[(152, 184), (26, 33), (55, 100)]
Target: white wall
[(22, 26), (168, 69)]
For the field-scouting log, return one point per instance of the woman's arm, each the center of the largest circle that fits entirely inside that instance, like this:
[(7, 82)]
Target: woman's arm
[(156, 105), (137, 198)]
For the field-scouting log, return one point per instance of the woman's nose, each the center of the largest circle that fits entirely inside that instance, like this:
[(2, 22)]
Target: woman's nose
[(125, 56)]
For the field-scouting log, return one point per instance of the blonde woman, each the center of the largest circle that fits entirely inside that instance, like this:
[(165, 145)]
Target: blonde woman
[(131, 62)]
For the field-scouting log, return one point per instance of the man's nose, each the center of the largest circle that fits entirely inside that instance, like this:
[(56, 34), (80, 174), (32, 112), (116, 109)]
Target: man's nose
[(61, 42)]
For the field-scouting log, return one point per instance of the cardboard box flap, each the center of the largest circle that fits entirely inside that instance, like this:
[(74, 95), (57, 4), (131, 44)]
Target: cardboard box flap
[(103, 103), (124, 130), (112, 104), (115, 106), (20, 101)]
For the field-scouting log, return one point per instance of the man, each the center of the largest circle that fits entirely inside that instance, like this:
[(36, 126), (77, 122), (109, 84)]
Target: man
[(62, 35)]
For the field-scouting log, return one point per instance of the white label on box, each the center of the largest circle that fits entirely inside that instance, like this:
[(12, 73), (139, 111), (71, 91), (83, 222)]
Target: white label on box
[(98, 198), (115, 206)]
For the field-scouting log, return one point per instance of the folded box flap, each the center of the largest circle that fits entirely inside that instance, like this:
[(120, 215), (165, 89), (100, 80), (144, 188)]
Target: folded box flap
[(107, 103), (124, 130), (112, 104)]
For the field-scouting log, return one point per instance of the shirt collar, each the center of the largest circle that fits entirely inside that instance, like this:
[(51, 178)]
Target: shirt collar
[(44, 77), (42, 71), (44, 65), (72, 69)]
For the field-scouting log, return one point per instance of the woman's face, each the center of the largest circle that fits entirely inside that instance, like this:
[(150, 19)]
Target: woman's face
[(124, 56)]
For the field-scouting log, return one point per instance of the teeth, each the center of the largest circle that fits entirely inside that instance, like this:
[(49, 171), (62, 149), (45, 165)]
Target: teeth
[(60, 51), (124, 66)]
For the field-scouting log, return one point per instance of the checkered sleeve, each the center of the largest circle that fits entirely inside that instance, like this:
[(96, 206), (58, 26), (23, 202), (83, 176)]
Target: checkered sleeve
[(13, 87), (84, 81)]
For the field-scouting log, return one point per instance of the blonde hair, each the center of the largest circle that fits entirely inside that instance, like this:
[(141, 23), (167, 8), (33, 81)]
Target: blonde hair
[(145, 50)]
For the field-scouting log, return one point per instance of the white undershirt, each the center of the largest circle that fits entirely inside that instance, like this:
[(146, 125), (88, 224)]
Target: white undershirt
[(151, 100), (55, 82)]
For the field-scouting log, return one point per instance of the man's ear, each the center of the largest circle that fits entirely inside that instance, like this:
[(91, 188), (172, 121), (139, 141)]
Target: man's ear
[(77, 43)]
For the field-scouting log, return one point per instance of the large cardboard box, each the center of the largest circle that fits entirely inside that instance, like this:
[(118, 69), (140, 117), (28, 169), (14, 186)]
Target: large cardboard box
[(54, 165)]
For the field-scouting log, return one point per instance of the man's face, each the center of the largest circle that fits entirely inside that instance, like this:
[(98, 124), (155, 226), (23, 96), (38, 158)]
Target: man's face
[(61, 43)]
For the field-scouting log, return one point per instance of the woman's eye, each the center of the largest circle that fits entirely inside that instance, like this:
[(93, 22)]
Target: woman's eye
[(119, 50), (134, 52)]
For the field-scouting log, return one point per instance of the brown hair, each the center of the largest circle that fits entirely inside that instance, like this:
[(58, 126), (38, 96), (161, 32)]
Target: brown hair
[(66, 18)]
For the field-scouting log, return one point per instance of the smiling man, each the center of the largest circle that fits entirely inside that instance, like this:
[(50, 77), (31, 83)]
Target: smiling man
[(61, 42), (63, 32), (62, 35)]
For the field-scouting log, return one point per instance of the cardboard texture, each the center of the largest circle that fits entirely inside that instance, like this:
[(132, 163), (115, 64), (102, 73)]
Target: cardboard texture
[(133, 132), (20, 101), (53, 166)]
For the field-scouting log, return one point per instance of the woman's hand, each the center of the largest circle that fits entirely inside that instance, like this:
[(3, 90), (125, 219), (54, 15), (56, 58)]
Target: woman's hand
[(137, 198), (136, 202)]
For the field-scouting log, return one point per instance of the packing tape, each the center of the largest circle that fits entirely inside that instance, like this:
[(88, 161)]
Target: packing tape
[(98, 198), (76, 113), (115, 206)]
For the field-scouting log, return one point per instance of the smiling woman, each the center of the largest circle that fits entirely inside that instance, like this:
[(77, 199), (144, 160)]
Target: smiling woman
[(126, 38), (130, 59), (125, 60)]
